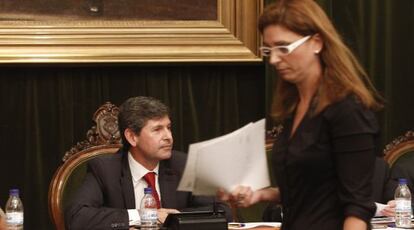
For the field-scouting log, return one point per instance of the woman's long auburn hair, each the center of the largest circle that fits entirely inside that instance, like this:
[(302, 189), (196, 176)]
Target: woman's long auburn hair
[(342, 73)]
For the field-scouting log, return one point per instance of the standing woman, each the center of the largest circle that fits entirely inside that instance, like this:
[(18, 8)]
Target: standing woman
[(324, 157)]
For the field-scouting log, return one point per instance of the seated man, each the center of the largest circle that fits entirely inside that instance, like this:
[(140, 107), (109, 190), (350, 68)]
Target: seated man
[(114, 185), (399, 170), (404, 169), (383, 188)]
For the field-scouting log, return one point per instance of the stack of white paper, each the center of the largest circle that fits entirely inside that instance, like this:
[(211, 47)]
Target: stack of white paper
[(237, 158)]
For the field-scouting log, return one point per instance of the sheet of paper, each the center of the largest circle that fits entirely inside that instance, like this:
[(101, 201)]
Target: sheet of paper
[(189, 176), (250, 225), (380, 207), (237, 158)]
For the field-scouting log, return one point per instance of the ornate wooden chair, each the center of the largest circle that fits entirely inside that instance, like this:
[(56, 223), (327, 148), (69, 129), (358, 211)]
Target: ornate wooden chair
[(400, 156), (400, 148), (103, 138)]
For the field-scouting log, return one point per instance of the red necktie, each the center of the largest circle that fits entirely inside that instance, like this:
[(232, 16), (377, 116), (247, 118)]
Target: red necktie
[(150, 179)]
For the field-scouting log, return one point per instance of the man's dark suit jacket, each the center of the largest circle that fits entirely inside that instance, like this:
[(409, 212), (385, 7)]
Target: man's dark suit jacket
[(383, 185), (107, 192), (404, 169)]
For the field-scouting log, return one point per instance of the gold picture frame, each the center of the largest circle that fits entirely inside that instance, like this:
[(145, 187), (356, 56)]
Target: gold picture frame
[(233, 37)]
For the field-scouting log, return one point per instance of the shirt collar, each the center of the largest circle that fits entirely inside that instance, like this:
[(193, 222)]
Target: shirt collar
[(137, 170)]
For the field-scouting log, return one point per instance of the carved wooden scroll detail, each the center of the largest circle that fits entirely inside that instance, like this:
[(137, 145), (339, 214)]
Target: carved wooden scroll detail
[(103, 133)]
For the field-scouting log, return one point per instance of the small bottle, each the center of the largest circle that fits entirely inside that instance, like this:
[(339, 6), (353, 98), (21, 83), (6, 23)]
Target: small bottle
[(148, 210), (14, 211), (403, 210)]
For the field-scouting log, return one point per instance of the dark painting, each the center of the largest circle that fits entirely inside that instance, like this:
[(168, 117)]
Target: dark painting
[(39, 10)]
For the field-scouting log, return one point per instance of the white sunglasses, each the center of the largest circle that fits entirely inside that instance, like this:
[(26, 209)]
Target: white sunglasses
[(283, 50)]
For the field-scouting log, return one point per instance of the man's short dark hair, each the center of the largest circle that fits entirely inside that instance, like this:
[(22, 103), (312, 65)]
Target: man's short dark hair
[(136, 111)]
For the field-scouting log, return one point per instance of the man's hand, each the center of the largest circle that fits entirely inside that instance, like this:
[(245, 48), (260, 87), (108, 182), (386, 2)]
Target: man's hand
[(163, 213)]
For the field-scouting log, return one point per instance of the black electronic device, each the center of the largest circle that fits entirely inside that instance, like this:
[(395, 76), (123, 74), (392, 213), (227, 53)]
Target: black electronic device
[(200, 220)]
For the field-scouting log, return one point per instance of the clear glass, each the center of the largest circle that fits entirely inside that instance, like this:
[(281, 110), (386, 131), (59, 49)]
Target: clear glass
[(283, 50)]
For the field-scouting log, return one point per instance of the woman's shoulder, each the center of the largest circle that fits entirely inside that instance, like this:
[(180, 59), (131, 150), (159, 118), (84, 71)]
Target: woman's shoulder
[(350, 113), (345, 106)]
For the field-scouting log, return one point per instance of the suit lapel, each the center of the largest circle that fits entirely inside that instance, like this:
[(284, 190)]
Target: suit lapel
[(168, 181), (126, 183)]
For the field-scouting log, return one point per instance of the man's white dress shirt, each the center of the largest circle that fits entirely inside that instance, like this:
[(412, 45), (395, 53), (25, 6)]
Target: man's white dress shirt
[(138, 172)]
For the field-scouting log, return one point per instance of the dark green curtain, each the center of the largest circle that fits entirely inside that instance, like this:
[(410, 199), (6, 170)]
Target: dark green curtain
[(381, 34), (48, 109)]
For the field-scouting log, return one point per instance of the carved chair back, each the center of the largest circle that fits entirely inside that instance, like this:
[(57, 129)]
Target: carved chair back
[(102, 138), (401, 147), (400, 156)]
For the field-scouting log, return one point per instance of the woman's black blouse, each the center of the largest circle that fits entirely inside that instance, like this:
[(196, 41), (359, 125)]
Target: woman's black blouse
[(324, 171)]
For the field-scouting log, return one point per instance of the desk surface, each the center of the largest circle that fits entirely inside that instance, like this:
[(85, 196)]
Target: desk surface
[(255, 225), (385, 223)]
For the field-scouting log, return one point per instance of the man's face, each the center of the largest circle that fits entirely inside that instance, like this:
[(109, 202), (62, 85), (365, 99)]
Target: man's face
[(155, 141)]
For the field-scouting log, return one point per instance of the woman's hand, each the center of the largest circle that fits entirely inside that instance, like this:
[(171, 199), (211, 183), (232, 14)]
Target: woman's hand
[(243, 196), (354, 223)]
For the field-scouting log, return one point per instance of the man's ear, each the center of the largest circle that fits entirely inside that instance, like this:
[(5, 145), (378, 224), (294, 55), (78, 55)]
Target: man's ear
[(131, 137)]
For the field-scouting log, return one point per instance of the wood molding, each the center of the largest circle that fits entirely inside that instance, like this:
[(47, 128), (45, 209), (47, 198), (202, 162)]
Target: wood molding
[(233, 37)]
